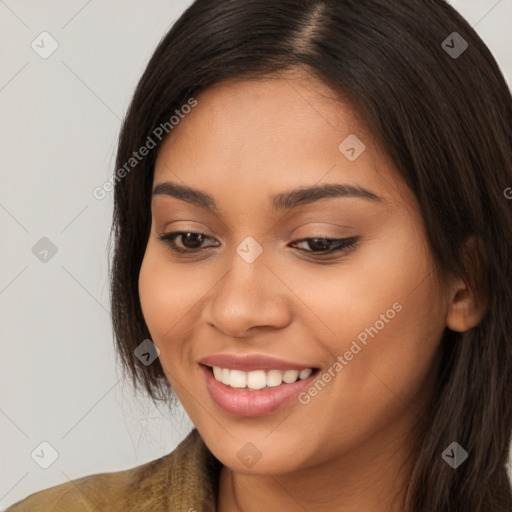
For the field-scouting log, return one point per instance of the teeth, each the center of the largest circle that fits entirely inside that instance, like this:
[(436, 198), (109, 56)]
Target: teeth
[(258, 379), (290, 376), (226, 376), (237, 379), (305, 373), (274, 378), (217, 372)]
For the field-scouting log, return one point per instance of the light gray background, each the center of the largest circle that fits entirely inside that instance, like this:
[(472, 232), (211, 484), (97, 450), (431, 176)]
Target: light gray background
[(59, 122)]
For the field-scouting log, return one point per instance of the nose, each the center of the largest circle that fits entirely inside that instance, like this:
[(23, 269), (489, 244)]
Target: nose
[(249, 297)]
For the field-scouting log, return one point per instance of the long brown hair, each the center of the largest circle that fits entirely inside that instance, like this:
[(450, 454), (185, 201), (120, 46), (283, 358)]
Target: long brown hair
[(438, 104)]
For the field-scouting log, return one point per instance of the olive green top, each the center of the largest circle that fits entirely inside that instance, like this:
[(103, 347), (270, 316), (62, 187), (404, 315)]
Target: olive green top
[(185, 480)]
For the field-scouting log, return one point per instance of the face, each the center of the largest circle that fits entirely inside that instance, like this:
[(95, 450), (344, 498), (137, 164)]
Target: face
[(334, 281)]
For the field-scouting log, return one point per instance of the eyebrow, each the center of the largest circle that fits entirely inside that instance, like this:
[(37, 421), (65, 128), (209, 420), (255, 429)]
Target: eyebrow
[(282, 201)]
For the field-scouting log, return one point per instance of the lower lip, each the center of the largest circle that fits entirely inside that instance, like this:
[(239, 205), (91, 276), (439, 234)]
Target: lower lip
[(243, 402)]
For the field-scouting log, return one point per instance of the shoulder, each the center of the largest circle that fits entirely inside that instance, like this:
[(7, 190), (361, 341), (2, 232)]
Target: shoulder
[(154, 486), (101, 491)]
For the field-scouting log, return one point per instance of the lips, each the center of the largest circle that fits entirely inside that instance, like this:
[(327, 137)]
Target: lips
[(260, 400), (251, 362), (249, 403)]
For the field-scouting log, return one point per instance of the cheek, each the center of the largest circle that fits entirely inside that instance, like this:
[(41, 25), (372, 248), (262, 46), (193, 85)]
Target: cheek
[(168, 294), (337, 302), (384, 311), (402, 353)]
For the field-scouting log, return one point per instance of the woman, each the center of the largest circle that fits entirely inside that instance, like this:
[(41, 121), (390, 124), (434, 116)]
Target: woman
[(313, 245)]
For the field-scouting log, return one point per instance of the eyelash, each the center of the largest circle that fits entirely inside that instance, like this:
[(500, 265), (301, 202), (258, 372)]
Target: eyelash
[(341, 244)]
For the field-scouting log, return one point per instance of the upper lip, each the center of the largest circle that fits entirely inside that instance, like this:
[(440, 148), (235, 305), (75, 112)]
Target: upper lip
[(251, 362)]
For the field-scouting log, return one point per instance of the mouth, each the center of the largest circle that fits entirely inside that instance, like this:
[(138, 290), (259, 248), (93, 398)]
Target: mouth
[(258, 379), (257, 392)]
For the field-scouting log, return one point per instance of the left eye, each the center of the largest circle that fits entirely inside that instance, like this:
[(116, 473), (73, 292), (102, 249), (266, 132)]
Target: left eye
[(322, 246)]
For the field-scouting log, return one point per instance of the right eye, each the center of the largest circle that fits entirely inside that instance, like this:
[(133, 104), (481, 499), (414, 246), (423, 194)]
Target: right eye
[(190, 241)]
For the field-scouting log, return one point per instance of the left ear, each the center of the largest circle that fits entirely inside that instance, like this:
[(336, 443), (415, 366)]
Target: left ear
[(468, 302)]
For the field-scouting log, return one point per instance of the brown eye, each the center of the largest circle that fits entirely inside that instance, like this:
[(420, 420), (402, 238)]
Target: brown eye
[(190, 241), (322, 246)]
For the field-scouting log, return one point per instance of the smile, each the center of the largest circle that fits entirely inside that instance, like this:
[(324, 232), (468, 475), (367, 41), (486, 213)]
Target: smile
[(263, 391), (258, 379)]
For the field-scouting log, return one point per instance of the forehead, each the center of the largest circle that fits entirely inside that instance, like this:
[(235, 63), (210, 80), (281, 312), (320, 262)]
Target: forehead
[(284, 107), (270, 134)]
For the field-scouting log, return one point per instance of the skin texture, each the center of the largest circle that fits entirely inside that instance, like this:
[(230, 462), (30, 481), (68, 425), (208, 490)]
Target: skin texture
[(347, 448)]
